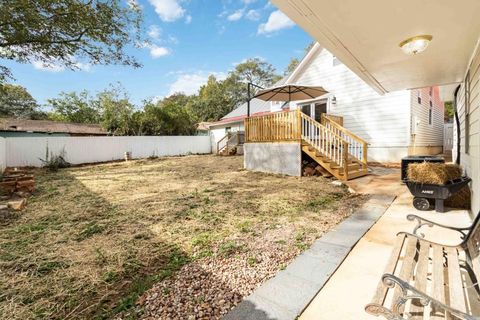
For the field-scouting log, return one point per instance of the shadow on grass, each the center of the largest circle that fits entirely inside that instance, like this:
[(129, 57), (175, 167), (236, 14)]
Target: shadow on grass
[(72, 254)]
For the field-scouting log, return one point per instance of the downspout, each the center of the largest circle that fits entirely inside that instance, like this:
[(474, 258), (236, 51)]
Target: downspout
[(457, 122)]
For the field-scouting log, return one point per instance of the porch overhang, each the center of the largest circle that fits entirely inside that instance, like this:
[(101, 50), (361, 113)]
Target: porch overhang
[(365, 36)]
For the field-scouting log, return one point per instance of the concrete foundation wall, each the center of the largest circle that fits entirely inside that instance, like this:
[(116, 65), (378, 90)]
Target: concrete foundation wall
[(387, 155), (282, 158)]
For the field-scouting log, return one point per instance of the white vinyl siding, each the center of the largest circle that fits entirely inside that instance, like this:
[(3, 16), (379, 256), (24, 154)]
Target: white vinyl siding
[(471, 161), (429, 131), (381, 120), (217, 132)]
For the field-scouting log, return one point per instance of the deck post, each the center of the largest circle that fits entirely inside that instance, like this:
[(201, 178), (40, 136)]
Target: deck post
[(365, 156), (299, 125), (345, 159)]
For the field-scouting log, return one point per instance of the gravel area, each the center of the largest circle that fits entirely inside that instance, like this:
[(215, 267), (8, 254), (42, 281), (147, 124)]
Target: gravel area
[(210, 287)]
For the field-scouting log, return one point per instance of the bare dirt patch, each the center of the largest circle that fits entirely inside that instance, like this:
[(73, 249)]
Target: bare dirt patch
[(93, 239)]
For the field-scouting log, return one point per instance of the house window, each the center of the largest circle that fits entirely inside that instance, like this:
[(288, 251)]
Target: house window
[(419, 96), (431, 91), (467, 113), (228, 129), (430, 116)]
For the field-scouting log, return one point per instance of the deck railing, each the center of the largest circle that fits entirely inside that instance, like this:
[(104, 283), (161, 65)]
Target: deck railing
[(325, 141), (357, 147), (279, 126)]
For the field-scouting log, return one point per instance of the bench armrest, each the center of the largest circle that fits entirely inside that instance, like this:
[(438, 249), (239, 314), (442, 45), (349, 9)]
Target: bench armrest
[(409, 292), (425, 222)]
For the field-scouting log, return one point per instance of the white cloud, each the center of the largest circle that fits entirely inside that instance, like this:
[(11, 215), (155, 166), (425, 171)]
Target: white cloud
[(133, 4), (189, 83), (50, 67), (154, 32), (276, 21), (253, 15), (168, 10), (158, 52), (237, 15), (188, 19), (58, 67)]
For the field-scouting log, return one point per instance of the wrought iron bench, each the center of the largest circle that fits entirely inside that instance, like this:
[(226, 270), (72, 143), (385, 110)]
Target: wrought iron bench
[(428, 278)]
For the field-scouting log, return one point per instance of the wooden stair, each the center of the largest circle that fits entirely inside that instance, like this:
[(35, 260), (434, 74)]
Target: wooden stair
[(228, 145), (338, 151)]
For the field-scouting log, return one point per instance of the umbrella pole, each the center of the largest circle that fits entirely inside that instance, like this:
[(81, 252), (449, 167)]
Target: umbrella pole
[(248, 100)]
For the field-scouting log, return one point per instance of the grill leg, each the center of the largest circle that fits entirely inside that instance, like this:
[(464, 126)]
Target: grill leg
[(439, 205)]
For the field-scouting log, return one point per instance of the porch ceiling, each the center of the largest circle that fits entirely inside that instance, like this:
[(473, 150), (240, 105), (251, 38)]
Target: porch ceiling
[(365, 35)]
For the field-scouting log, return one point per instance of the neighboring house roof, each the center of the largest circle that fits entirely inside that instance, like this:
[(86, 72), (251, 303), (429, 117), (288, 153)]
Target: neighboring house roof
[(48, 126), (203, 126), (257, 107)]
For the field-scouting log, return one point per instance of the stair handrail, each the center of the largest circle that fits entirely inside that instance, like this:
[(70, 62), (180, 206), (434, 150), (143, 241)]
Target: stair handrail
[(227, 136), (307, 117), (343, 129), (335, 149), (358, 153)]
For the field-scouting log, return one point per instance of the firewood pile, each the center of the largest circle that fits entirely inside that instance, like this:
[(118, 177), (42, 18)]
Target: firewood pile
[(311, 168), (15, 187), (229, 151)]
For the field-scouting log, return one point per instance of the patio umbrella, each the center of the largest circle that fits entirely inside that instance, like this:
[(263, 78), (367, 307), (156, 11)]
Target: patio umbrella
[(290, 92)]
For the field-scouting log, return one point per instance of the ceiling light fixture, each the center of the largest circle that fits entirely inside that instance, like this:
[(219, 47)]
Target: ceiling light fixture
[(416, 45)]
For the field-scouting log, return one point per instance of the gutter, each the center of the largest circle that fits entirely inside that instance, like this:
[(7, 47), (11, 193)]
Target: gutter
[(457, 122)]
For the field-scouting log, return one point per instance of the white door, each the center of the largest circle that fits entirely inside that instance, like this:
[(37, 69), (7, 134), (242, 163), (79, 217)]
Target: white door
[(447, 137)]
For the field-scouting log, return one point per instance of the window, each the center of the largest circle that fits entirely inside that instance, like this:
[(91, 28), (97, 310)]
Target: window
[(228, 129), (467, 113), (431, 91), (419, 96)]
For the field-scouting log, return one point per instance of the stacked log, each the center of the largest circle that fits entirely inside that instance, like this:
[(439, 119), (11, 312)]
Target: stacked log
[(311, 168), (15, 187)]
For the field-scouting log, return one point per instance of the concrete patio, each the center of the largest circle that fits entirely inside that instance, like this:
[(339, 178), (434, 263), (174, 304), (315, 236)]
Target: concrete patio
[(353, 284), (339, 274)]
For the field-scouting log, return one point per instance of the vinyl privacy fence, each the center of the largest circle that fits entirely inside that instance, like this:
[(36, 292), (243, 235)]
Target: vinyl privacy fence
[(20, 152)]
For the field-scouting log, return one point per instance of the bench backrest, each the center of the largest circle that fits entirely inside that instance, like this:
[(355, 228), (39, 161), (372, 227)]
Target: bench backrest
[(472, 246)]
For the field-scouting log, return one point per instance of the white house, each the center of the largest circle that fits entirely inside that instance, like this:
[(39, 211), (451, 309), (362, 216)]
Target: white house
[(394, 125), (367, 37)]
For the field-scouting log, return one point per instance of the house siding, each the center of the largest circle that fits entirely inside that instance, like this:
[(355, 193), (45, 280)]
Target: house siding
[(217, 132), (382, 120), (471, 160), (427, 135)]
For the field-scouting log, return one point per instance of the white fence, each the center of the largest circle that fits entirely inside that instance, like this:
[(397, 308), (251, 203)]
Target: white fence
[(3, 158), (28, 151)]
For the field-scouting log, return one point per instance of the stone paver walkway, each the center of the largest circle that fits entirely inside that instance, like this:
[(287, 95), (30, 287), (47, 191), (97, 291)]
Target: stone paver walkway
[(286, 295)]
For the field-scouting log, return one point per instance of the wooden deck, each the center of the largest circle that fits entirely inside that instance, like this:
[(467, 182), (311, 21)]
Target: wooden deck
[(336, 149)]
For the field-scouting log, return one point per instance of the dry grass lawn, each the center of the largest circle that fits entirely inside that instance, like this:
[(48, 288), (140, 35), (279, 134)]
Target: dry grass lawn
[(92, 239)]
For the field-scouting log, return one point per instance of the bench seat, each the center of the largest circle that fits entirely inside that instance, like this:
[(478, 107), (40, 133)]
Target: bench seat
[(428, 280)]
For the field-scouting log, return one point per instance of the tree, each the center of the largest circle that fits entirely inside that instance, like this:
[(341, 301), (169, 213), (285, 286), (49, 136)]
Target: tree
[(294, 62), (61, 32), (449, 112), (16, 102), (168, 117), (74, 107), (254, 70), (212, 101), (116, 111)]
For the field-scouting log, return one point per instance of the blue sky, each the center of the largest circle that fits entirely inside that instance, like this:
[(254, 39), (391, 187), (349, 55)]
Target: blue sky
[(189, 39)]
